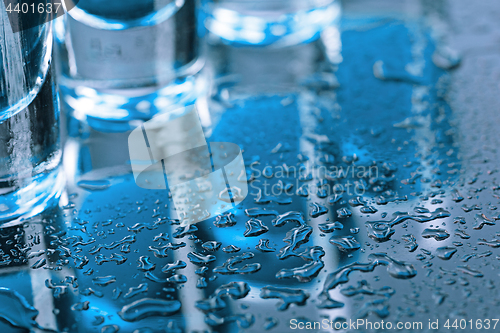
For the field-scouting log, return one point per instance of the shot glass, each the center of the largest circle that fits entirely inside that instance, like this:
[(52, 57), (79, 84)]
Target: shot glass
[(122, 62), (30, 154)]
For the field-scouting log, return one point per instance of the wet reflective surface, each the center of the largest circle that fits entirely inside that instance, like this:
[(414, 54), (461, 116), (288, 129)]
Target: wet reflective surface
[(373, 195)]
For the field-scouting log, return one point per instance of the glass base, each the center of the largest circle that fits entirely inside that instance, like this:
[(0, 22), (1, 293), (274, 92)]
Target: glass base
[(271, 28), (124, 109), (42, 193)]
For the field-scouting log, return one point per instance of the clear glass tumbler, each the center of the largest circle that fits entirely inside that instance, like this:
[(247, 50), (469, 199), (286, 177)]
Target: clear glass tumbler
[(123, 61), (269, 22), (30, 154)]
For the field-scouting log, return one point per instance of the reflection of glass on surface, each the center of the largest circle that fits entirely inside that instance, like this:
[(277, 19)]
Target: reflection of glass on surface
[(29, 121), (256, 102), (26, 302), (275, 23), (123, 61)]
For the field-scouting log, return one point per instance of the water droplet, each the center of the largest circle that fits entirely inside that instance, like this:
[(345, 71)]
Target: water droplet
[(148, 307), (364, 288), (94, 185), (255, 228), (172, 267), (330, 227), (116, 257), (161, 251), (145, 264), (338, 277), (80, 306), (39, 263), (343, 213), (445, 252), (395, 268), (287, 296), (282, 219), (303, 191), (295, 238), (308, 271), (446, 58), (437, 234), (379, 231), (200, 259), (103, 281), (270, 323), (15, 310), (229, 268), (492, 243), (224, 221), (456, 196), (481, 220), (411, 242), (346, 243), (368, 210), (470, 271), (181, 232), (110, 329), (211, 246), (134, 291), (462, 234), (177, 278), (231, 249), (162, 237), (256, 212), (235, 290), (377, 307), (98, 320), (263, 246), (317, 210), (201, 283)]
